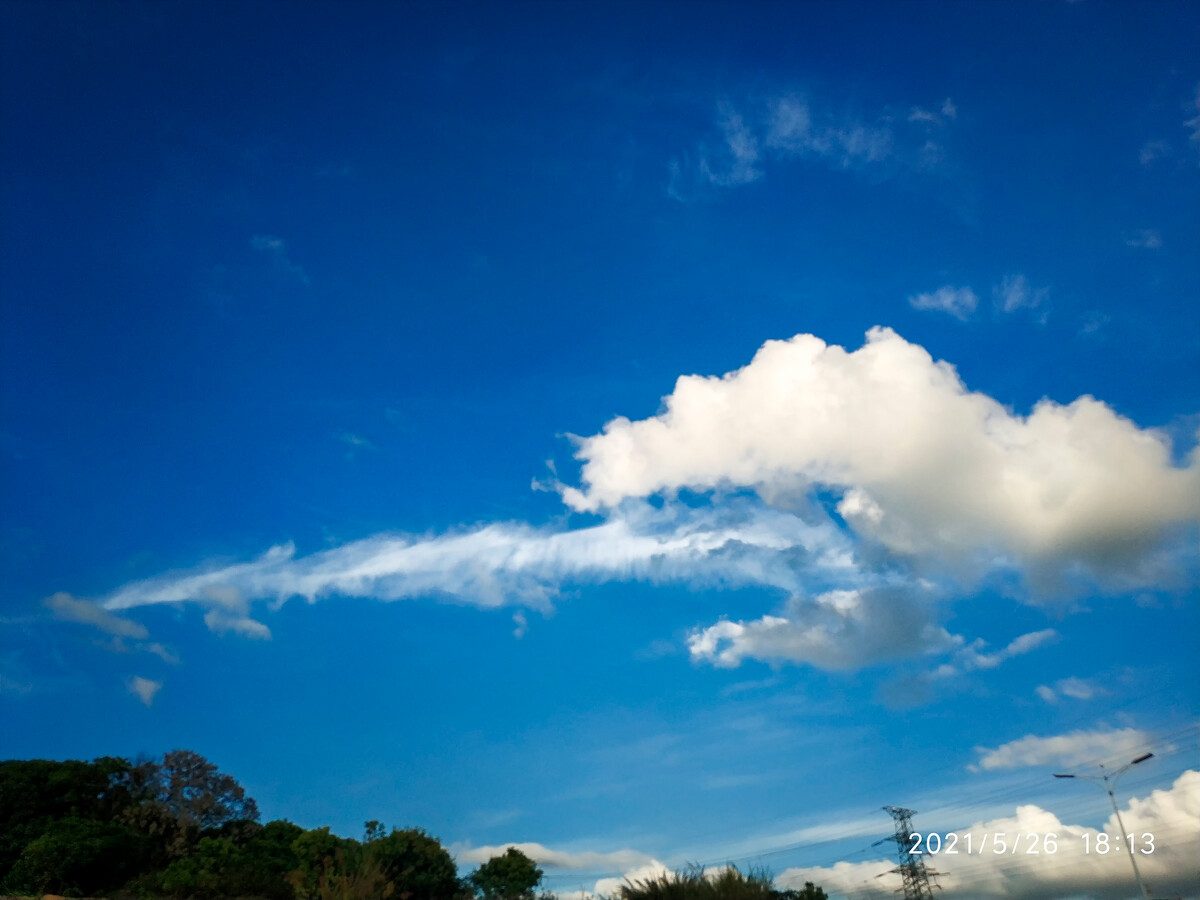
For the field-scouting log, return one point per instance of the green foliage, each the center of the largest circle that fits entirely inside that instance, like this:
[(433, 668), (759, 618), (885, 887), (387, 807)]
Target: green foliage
[(729, 883), (175, 801), (77, 856), (511, 876), (245, 862), (417, 865), (334, 868), (179, 828), (35, 793)]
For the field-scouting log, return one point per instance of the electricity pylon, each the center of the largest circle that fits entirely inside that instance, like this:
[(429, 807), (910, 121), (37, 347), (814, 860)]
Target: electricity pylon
[(912, 865)]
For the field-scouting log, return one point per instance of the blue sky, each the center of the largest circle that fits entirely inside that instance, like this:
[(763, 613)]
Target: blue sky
[(654, 433)]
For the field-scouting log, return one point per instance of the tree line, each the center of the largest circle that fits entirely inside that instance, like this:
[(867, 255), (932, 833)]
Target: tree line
[(179, 829)]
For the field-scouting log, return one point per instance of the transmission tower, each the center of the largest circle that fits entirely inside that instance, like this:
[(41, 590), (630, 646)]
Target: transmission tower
[(912, 865)]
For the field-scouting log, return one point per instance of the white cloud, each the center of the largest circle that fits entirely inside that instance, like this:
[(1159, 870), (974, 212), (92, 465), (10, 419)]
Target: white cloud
[(522, 624), (949, 110), (1145, 238), (926, 468), (557, 859), (1046, 693), (1172, 869), (959, 302), (221, 622), (1072, 749), (68, 609), (229, 612), (608, 887), (1076, 688), (972, 657), (1013, 293), (740, 543), (835, 630), (143, 688)]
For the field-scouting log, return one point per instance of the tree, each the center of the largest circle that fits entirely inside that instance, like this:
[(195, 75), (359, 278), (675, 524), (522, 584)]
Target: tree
[(417, 865), (34, 793), (77, 856), (810, 892), (184, 795), (726, 884), (510, 876)]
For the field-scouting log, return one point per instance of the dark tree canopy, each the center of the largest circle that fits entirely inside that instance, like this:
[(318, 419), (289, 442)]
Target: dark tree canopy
[(180, 829), (35, 793), (510, 876), (178, 799), (416, 863)]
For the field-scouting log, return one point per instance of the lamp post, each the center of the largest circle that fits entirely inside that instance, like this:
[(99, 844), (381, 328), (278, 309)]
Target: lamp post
[(1109, 781)]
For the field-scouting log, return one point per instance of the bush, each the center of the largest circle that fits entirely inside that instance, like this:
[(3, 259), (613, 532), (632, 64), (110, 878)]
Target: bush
[(77, 857)]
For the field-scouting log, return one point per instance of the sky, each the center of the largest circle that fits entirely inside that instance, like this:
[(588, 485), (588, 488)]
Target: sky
[(647, 434)]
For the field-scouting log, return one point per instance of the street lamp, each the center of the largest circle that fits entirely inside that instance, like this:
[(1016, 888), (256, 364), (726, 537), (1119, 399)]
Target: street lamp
[(1109, 781)]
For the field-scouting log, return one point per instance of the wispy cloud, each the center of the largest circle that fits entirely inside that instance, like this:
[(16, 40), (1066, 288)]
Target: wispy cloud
[(1072, 749), (1075, 688), (974, 656), (275, 249), (737, 163), (1192, 124), (143, 688), (229, 613), (1152, 151), (84, 612), (959, 302), (1014, 293), (1146, 238), (755, 133), (504, 564)]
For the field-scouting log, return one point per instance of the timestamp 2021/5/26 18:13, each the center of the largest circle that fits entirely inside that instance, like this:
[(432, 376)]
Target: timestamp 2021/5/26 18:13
[(1027, 843)]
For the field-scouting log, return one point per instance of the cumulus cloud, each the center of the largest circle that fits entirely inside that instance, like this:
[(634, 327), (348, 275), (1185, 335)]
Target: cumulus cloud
[(1172, 869), (143, 688), (926, 468), (741, 543), (1014, 293), (1072, 749), (836, 630), (69, 609), (557, 859), (959, 302)]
